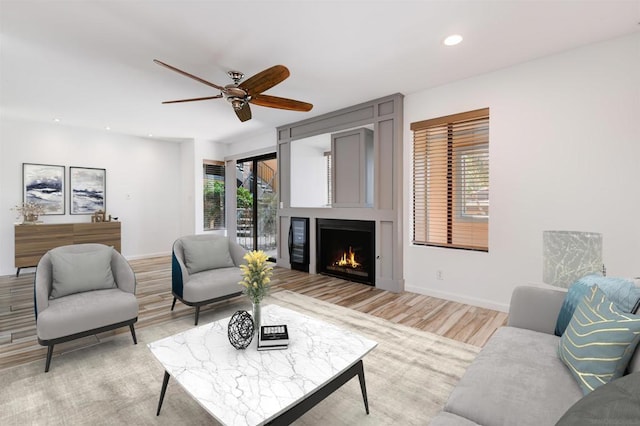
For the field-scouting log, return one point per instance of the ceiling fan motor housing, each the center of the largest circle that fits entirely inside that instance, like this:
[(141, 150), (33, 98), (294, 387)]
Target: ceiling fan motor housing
[(236, 102)]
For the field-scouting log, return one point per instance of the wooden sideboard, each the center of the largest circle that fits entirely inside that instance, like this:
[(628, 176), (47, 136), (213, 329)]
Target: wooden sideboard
[(33, 241)]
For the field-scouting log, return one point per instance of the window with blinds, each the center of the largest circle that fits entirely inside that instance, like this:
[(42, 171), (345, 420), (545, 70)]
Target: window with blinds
[(213, 185), (451, 181)]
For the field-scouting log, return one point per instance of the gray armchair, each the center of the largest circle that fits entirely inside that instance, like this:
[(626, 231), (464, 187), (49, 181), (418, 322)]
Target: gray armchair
[(205, 269), (81, 290)]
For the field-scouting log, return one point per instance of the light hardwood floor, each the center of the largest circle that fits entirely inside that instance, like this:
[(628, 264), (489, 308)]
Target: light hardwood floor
[(469, 324)]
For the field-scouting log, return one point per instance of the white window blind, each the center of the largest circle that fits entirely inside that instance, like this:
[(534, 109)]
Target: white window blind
[(451, 181)]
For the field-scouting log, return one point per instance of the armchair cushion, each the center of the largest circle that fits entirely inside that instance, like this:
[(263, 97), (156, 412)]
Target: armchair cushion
[(205, 254), (76, 272), (85, 311)]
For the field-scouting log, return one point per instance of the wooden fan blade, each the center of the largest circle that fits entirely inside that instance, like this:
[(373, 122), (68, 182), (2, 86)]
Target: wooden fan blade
[(281, 103), (244, 113), (265, 80), (179, 71), (193, 99)]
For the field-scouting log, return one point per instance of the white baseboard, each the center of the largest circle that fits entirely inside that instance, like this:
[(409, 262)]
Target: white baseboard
[(482, 303), (147, 256)]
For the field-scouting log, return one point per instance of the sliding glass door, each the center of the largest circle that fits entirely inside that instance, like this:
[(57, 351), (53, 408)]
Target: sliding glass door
[(257, 203)]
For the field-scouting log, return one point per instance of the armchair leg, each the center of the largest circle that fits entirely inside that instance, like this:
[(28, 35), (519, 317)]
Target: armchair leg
[(49, 354), (197, 313), (173, 305), (133, 334)]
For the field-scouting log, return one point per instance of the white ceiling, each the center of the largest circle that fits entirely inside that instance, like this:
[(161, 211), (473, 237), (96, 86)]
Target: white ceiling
[(90, 63)]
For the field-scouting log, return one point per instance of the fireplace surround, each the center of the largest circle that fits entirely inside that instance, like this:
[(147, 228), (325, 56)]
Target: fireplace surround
[(385, 204), (346, 249)]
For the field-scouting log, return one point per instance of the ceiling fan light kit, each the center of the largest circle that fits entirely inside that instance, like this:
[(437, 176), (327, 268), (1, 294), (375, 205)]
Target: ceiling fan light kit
[(241, 93)]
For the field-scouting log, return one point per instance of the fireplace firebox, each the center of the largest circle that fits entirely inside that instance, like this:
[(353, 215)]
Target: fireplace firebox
[(346, 249)]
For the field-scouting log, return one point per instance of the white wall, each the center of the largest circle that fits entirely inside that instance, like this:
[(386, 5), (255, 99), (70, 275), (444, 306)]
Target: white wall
[(143, 181), (187, 188), (252, 145), (308, 175), (564, 155)]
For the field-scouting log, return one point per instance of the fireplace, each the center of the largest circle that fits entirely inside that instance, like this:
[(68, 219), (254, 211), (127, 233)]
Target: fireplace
[(346, 249)]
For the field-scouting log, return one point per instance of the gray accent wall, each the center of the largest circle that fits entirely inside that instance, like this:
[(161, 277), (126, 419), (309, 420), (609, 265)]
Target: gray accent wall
[(383, 199)]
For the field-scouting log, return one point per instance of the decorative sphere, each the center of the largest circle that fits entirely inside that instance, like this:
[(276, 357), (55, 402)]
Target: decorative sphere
[(240, 329)]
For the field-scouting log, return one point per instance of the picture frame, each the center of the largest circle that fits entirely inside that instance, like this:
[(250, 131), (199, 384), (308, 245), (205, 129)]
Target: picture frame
[(44, 184), (88, 187)]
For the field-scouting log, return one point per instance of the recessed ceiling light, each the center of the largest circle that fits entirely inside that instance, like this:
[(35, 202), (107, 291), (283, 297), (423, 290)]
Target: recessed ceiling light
[(107, 128), (150, 135), (453, 39), (57, 120)]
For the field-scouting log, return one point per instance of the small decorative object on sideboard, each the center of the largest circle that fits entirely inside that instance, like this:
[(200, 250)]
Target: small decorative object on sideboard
[(29, 212), (273, 337), (240, 330), (101, 216), (98, 216)]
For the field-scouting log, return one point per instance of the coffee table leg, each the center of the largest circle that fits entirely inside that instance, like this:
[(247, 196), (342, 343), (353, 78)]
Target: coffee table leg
[(363, 386), (312, 400), (165, 382)]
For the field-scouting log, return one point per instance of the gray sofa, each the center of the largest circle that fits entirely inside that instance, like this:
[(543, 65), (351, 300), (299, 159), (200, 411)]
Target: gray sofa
[(518, 378), (205, 269)]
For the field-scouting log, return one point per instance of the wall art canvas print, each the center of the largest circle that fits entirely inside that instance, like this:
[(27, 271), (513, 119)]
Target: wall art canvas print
[(88, 189), (43, 184)]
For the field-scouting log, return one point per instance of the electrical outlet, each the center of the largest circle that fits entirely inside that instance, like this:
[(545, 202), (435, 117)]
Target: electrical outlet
[(439, 275)]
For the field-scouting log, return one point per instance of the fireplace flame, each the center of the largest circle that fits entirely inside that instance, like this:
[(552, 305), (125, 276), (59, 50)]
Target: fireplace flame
[(348, 259)]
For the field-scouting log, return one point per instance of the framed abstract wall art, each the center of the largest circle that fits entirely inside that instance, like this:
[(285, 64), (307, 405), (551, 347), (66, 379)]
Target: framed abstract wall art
[(88, 190), (43, 184)]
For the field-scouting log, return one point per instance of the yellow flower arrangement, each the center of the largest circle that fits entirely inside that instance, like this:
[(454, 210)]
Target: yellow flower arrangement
[(256, 275)]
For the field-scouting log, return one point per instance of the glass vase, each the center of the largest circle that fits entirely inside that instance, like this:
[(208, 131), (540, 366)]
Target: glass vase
[(29, 219), (257, 316)]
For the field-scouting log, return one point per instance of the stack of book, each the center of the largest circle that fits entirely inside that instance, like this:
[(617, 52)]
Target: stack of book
[(273, 337)]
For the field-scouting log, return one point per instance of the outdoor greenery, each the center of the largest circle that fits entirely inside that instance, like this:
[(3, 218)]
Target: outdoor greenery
[(244, 199), (267, 205), (214, 204), (214, 191)]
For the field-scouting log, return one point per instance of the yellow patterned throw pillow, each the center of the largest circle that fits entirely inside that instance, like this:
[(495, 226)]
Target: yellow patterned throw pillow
[(599, 341)]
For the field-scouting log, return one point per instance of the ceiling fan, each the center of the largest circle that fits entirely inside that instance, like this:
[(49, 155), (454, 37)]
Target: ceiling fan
[(241, 93)]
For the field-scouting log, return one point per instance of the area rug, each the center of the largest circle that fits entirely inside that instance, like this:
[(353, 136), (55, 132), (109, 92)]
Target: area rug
[(409, 377)]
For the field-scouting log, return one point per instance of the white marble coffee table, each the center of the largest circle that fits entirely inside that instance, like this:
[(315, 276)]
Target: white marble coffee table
[(251, 387)]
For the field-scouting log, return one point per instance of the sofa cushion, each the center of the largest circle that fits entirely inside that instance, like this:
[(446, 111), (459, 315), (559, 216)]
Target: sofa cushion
[(599, 341), (201, 254), (76, 272), (85, 311), (517, 379), (620, 291)]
